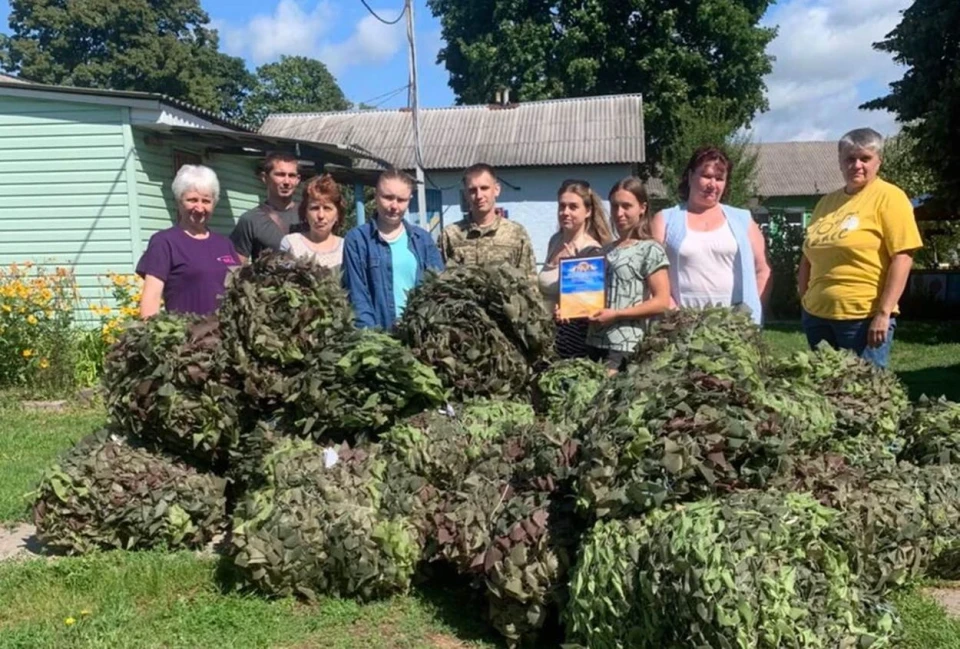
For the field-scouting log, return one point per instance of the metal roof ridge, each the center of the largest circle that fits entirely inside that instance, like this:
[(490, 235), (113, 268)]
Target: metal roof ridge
[(519, 104)]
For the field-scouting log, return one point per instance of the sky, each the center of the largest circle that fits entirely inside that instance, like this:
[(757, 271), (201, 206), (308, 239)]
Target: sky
[(824, 69)]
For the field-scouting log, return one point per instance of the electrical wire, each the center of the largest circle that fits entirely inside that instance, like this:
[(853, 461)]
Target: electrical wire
[(388, 94), (384, 20)]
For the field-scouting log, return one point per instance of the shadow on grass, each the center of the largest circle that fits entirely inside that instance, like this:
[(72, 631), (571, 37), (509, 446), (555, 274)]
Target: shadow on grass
[(933, 382), (927, 332), (456, 604)]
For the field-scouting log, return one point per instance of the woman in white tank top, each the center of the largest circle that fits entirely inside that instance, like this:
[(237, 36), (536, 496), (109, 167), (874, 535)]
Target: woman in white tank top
[(322, 210), (717, 253)]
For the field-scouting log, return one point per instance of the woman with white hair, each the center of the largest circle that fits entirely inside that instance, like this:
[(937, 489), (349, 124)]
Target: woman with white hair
[(857, 255), (187, 264)]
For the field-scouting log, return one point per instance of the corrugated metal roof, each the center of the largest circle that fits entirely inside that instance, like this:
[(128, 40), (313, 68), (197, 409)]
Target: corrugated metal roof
[(589, 130), (798, 169), (13, 82), (787, 169)]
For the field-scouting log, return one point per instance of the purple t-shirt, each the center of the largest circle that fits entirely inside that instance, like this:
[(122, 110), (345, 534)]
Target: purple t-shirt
[(193, 270)]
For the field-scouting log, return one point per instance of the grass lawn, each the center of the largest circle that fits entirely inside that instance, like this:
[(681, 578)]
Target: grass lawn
[(170, 601)]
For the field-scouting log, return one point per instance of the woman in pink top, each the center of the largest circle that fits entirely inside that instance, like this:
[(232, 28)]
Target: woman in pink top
[(322, 210)]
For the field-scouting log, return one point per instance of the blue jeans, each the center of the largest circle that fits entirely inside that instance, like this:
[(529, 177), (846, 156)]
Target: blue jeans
[(848, 334)]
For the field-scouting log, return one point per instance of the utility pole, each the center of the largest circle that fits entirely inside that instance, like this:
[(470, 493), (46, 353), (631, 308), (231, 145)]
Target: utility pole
[(413, 102)]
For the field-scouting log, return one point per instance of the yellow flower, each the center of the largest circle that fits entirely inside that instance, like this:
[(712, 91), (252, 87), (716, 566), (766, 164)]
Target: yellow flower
[(70, 621), (27, 353), (7, 308), (84, 613), (44, 363), (32, 319)]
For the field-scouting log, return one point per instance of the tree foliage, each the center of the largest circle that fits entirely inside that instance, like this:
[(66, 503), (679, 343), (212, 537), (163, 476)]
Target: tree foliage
[(673, 51), (927, 99), (161, 46), (294, 84)]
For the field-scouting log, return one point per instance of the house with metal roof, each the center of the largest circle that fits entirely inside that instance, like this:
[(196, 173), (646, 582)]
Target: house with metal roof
[(85, 174), (533, 145)]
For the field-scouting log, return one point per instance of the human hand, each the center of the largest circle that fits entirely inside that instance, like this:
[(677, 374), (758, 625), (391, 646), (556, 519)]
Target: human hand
[(567, 251), (604, 317), (877, 333)]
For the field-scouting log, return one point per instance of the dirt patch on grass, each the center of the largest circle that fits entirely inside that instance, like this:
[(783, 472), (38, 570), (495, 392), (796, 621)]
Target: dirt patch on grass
[(948, 598), (18, 542), (443, 641)]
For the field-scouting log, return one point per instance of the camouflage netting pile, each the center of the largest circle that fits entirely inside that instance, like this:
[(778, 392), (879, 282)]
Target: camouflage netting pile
[(710, 495), (319, 526), (276, 313), (483, 329), (110, 492), (758, 569), (167, 383)]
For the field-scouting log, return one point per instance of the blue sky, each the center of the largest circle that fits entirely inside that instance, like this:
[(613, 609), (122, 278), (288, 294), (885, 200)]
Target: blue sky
[(825, 66)]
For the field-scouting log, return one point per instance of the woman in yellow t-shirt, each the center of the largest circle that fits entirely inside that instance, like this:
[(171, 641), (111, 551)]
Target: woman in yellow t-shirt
[(857, 255)]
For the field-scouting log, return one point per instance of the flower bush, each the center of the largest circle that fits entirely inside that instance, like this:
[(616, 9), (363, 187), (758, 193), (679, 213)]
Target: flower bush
[(42, 347), (36, 316), (92, 344)]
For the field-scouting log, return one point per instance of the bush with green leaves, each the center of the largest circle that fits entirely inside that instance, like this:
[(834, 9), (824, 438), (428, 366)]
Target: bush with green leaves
[(758, 569), (484, 329), (110, 492), (168, 382)]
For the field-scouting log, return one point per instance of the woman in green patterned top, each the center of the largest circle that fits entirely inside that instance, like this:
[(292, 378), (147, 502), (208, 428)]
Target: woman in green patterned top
[(638, 286)]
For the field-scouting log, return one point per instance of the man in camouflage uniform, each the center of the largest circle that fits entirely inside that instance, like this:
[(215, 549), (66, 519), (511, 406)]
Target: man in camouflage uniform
[(485, 237)]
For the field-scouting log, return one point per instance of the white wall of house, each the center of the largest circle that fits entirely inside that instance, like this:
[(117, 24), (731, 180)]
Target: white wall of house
[(529, 194)]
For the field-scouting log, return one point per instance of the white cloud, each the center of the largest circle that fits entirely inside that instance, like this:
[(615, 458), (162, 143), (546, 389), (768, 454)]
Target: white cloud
[(824, 57), (371, 42), (294, 30)]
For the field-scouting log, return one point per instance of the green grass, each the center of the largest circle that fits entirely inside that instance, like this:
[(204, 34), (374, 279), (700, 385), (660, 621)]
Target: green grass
[(152, 600), (925, 624), (29, 441), (171, 601)]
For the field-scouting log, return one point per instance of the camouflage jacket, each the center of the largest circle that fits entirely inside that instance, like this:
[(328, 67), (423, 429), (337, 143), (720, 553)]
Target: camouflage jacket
[(502, 242)]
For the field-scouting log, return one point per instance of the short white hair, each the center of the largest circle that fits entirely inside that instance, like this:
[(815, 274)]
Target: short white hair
[(861, 138), (196, 178)]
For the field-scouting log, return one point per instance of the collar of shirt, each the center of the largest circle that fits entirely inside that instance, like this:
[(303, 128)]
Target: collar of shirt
[(483, 230)]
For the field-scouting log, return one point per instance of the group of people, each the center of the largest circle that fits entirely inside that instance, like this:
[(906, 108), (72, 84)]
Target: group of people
[(856, 258)]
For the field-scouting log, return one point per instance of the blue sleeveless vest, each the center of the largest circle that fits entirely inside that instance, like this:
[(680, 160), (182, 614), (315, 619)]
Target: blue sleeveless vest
[(745, 273)]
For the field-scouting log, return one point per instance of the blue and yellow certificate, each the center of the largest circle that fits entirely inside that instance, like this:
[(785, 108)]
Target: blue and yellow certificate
[(582, 284)]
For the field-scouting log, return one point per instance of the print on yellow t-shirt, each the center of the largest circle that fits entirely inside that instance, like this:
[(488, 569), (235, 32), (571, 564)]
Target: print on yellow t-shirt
[(849, 244)]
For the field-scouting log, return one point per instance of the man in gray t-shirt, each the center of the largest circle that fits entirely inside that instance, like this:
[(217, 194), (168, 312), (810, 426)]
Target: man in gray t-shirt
[(264, 226)]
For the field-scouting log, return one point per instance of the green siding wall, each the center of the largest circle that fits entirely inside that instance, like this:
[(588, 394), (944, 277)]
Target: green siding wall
[(240, 189), (63, 189)]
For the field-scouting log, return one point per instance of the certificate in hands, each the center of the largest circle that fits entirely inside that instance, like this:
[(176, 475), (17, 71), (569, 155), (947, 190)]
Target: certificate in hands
[(582, 283)]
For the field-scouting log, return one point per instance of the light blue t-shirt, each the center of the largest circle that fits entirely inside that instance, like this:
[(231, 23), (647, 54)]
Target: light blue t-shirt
[(404, 271)]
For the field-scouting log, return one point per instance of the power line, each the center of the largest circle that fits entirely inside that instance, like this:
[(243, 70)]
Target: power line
[(383, 20), (387, 95)]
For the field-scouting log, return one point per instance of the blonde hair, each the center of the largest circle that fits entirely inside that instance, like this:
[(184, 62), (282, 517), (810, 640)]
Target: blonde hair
[(598, 226)]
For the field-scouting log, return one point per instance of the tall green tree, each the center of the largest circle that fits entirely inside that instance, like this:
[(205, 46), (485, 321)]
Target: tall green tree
[(927, 99), (294, 84), (675, 52), (162, 46)]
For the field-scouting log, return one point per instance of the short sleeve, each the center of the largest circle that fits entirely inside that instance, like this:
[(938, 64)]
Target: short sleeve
[(898, 223), (157, 259), (285, 244), (654, 258), (242, 237)]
